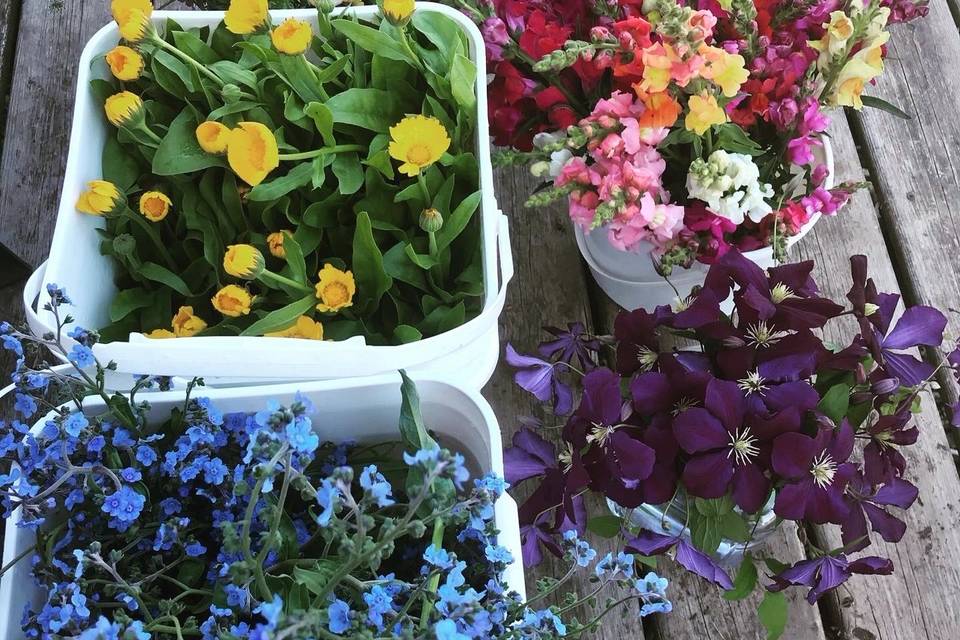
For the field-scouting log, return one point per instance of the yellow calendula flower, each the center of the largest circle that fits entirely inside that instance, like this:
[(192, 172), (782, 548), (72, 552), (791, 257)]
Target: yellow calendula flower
[(133, 17), (125, 64), (243, 261), (292, 37), (186, 324), (213, 137), (252, 152), (275, 243), (418, 142), (398, 12), (246, 16), (161, 334), (155, 205), (100, 198), (123, 108), (704, 113), (335, 290), (726, 70), (305, 328), (233, 301)]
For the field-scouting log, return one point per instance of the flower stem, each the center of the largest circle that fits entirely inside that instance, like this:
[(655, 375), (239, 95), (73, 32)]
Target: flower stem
[(17, 559), (157, 40), (307, 155), (154, 238), (276, 277), (434, 581)]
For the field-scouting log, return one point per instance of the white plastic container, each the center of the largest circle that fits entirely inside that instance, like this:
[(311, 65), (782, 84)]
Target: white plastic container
[(362, 410), (468, 353), (629, 277)]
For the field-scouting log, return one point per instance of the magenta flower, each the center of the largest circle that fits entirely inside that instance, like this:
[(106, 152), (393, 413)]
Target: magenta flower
[(867, 502), (826, 573)]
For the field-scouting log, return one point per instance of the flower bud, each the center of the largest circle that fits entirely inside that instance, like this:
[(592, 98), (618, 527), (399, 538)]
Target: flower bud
[(154, 206), (398, 12), (124, 245), (431, 220), (124, 109), (125, 64), (100, 198), (243, 261), (869, 309)]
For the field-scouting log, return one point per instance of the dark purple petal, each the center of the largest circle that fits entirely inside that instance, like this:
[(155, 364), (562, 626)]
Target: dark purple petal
[(791, 502), (708, 475), (563, 398), (602, 400), (793, 455), (889, 527), (796, 277), (699, 563), (634, 458), (841, 445), (652, 393), (853, 530), (826, 505), (802, 574), (697, 430), (834, 571), (898, 492), (648, 543), (702, 311), (529, 456), (872, 565), (750, 487), (910, 370), (534, 375), (917, 326), (799, 394), (887, 303), (759, 302), (725, 401)]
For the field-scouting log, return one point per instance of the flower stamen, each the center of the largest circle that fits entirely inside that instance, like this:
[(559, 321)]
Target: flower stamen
[(763, 336), (781, 292), (600, 434), (823, 470), (647, 357), (743, 447), (753, 383)]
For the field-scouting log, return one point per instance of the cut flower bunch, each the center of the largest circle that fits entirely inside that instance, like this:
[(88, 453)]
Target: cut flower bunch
[(307, 179), (761, 416), (213, 525), (683, 129)]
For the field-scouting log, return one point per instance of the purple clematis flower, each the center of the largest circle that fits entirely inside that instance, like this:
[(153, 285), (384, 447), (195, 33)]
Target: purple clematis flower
[(867, 503), (816, 474), (573, 344), (648, 543), (638, 346), (540, 378), (826, 573), (918, 326), (882, 459)]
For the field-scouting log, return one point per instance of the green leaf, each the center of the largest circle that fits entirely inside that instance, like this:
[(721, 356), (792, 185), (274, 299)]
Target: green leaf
[(323, 119), (836, 402), (463, 79), (458, 221), (295, 260), (346, 166), (162, 275), (441, 31), (374, 41), (317, 578), (372, 279), (412, 429), (405, 334), (773, 614), (119, 167), (191, 44), (745, 582), (371, 109), (732, 138), (281, 318), (605, 526), (881, 104), (128, 301), (233, 73), (704, 532), (300, 176), (734, 527), (179, 152)]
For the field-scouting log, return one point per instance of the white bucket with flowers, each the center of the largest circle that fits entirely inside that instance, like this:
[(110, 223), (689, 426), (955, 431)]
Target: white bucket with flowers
[(260, 174)]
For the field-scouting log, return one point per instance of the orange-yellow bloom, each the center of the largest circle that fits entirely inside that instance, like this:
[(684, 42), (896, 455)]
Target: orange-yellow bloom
[(292, 37), (726, 70), (233, 301), (398, 12), (662, 109), (335, 290), (243, 261), (155, 205), (305, 328), (246, 16), (122, 108), (161, 334), (125, 64), (186, 324), (704, 113), (100, 198), (213, 137), (275, 243), (418, 142), (133, 17), (252, 152)]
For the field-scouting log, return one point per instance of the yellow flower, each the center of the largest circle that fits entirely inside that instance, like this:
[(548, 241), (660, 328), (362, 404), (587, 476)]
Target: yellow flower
[(187, 325), (335, 290), (863, 67), (100, 198), (704, 113), (122, 108), (398, 12), (305, 328), (125, 63), (418, 142), (161, 334), (726, 70), (155, 205), (245, 16), (213, 137), (275, 243), (233, 301), (292, 37), (252, 152), (243, 261), (133, 17)]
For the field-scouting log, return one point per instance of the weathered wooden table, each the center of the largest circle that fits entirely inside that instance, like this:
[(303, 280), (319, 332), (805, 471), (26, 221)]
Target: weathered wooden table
[(909, 226)]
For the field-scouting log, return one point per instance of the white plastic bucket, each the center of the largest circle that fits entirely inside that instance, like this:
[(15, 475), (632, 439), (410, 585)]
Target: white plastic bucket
[(630, 279), (362, 410), (468, 353)]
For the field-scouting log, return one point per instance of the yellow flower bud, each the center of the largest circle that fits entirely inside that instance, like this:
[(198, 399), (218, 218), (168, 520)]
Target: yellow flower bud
[(100, 198), (155, 206), (125, 64), (292, 37), (213, 137), (161, 334), (398, 12), (246, 16), (187, 325), (305, 328), (243, 261), (123, 108), (418, 142), (252, 152), (133, 18), (335, 290), (233, 301), (275, 243)]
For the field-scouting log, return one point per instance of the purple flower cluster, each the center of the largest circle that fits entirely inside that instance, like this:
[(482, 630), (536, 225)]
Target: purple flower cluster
[(763, 411)]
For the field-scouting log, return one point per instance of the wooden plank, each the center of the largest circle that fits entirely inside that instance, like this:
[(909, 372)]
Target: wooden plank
[(39, 119), (919, 601), (549, 287)]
